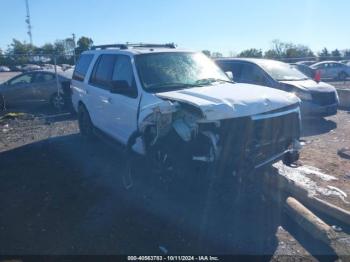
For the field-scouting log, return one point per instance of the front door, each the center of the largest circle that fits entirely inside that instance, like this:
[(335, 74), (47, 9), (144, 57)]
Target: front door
[(19, 90)]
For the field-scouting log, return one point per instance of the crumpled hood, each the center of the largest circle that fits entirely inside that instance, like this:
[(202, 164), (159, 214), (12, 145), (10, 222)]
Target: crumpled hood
[(232, 100), (310, 85)]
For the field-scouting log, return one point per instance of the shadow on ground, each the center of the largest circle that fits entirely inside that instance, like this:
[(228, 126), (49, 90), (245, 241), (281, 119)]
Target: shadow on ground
[(317, 126), (65, 196)]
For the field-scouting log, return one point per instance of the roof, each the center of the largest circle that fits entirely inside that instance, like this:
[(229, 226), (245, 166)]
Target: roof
[(135, 49), (326, 62), (258, 61)]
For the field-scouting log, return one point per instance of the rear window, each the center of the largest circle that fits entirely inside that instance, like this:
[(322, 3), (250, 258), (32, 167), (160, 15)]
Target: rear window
[(82, 67)]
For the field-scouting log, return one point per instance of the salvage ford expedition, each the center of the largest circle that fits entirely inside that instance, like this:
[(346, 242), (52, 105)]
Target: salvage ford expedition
[(178, 106)]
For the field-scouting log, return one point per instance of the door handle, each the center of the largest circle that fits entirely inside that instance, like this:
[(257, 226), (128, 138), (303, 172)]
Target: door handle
[(107, 100)]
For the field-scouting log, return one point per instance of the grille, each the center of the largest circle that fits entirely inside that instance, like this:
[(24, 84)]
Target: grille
[(324, 98), (251, 142)]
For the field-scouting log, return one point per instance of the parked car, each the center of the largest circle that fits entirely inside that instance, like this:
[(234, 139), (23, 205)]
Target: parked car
[(306, 70), (4, 69), (176, 107), (30, 67), (333, 70), (317, 98), (307, 63), (35, 87)]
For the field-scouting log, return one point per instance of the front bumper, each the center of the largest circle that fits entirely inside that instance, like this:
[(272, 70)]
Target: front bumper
[(312, 109)]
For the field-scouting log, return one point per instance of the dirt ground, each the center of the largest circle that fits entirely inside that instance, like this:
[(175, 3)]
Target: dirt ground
[(323, 139)]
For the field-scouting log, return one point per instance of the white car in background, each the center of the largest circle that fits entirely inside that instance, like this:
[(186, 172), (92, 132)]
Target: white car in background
[(4, 69)]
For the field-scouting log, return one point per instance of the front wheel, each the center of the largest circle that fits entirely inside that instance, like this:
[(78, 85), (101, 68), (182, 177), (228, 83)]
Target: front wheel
[(85, 125), (290, 158)]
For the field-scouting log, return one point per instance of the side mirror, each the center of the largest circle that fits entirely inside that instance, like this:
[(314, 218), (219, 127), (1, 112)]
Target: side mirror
[(229, 74), (122, 87)]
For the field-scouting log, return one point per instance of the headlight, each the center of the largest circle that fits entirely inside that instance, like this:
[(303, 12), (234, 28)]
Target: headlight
[(303, 95)]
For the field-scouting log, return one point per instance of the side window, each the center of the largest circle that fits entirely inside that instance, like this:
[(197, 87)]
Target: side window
[(123, 70), (43, 77), (22, 79), (82, 67), (237, 71), (103, 71), (253, 74)]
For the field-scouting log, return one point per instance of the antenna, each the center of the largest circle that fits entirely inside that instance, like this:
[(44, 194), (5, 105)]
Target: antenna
[(29, 26)]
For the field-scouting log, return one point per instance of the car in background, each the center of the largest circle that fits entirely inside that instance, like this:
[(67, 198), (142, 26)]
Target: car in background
[(307, 63), (35, 87), (306, 70), (332, 70), (317, 98), (30, 67), (4, 69)]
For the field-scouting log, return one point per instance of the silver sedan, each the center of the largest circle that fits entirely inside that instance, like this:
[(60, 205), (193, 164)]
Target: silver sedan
[(332, 69), (35, 87)]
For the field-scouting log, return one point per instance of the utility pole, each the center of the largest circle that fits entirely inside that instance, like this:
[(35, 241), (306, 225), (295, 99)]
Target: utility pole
[(74, 59), (29, 26)]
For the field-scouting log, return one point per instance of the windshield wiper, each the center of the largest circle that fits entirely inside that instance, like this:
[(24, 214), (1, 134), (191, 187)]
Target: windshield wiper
[(212, 80)]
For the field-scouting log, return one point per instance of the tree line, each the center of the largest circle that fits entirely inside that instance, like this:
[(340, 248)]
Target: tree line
[(63, 51), (289, 52)]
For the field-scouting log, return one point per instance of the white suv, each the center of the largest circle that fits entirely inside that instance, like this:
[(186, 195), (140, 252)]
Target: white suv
[(177, 107)]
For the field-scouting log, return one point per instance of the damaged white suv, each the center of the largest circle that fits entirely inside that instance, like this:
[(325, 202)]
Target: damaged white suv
[(177, 107)]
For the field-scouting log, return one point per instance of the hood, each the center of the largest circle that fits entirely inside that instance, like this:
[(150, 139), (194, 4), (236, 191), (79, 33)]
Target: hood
[(310, 85), (232, 100)]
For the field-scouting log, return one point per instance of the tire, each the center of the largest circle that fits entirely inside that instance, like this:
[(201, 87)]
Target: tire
[(290, 158), (58, 101), (85, 125), (342, 76)]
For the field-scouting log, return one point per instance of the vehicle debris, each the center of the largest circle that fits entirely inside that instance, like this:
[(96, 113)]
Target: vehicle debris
[(301, 176)]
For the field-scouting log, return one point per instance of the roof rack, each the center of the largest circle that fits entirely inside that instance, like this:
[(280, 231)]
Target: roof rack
[(127, 45)]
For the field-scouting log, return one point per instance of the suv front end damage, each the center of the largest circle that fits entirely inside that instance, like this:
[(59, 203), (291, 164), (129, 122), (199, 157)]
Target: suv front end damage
[(177, 134)]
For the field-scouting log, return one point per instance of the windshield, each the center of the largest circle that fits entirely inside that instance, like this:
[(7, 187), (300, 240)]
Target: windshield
[(281, 71), (170, 71)]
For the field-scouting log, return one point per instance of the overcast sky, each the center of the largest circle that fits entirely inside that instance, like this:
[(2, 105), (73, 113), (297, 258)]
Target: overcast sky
[(220, 25)]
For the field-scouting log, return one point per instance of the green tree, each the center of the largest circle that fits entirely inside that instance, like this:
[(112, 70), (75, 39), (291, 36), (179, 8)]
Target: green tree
[(84, 43), (207, 53), (252, 52), (216, 54), (324, 54), (346, 54), (336, 54)]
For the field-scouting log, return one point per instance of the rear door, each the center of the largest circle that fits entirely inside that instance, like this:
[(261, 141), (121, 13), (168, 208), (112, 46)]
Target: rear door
[(44, 86), (99, 95)]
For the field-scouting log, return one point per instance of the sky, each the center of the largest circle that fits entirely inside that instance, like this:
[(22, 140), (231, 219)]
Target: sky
[(227, 26)]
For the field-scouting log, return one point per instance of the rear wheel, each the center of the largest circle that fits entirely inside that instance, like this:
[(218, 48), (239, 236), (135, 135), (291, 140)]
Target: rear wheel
[(58, 102), (85, 125)]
